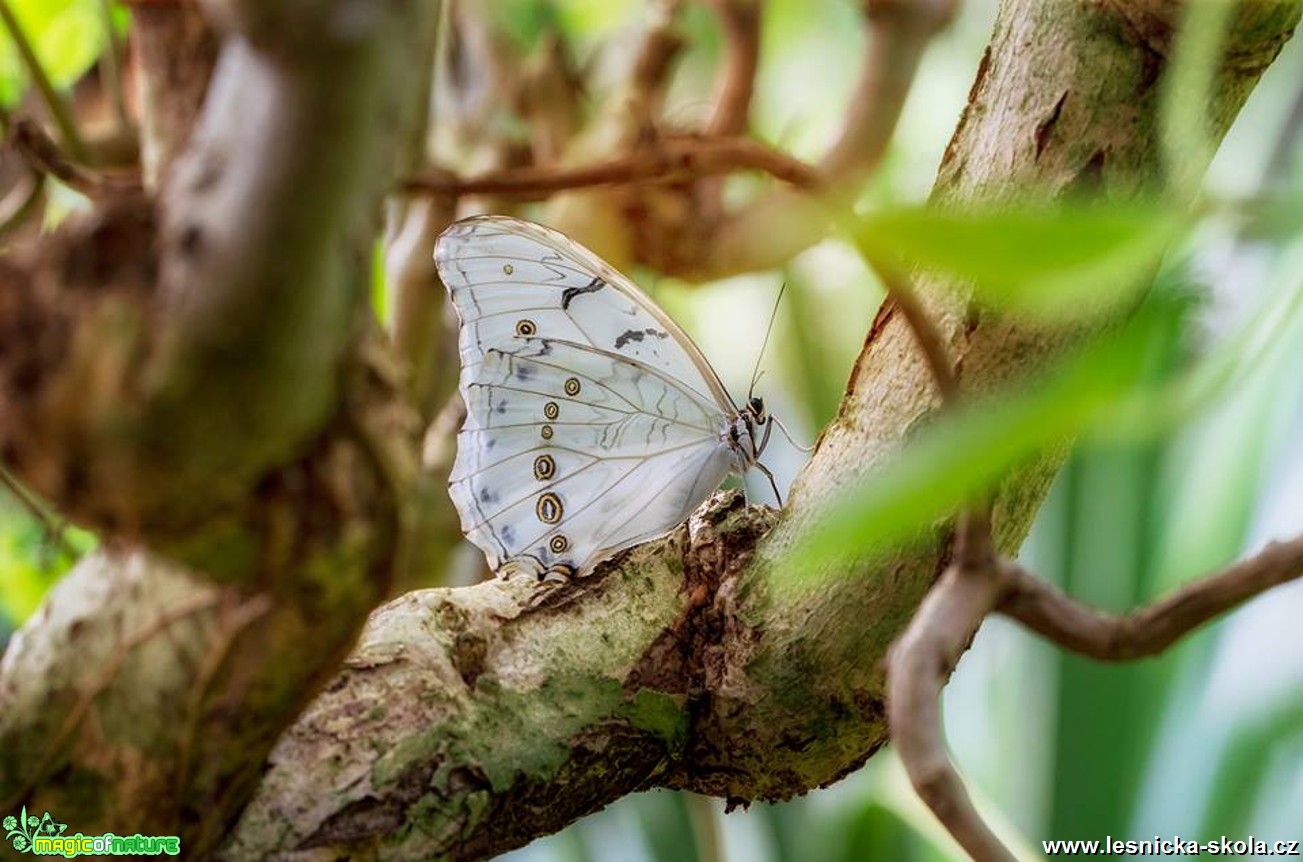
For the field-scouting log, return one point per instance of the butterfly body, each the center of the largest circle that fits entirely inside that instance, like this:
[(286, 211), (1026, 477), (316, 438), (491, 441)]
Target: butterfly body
[(593, 422)]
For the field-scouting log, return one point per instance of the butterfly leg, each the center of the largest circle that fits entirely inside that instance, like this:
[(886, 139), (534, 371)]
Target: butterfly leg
[(770, 476)]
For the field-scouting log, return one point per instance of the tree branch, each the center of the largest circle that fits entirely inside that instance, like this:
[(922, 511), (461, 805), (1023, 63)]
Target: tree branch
[(469, 721), (177, 51), (740, 21), (68, 131), (665, 161), (777, 226), (207, 391), (1150, 630), (919, 665)]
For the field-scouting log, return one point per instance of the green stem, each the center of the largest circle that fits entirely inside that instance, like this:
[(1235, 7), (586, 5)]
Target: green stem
[(72, 142)]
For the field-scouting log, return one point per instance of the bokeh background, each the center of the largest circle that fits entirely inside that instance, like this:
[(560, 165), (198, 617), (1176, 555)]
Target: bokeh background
[(1205, 741)]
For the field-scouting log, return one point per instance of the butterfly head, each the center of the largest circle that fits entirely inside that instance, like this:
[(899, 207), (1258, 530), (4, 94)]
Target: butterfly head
[(749, 431)]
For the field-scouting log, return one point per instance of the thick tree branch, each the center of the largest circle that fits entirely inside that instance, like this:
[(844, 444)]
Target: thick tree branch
[(211, 393), (469, 721)]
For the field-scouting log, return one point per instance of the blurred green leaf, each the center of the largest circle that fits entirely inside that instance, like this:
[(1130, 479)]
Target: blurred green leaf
[(67, 36), (1229, 365), (31, 560), (967, 451), (1055, 262)]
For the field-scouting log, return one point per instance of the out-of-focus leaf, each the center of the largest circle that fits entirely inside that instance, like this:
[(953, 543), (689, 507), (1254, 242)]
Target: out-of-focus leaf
[(31, 560), (1068, 261), (1228, 365), (67, 36), (966, 452), (1245, 763)]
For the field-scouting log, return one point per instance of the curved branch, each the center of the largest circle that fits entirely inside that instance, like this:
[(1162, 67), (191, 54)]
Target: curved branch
[(774, 228), (919, 665), (1150, 630), (740, 21)]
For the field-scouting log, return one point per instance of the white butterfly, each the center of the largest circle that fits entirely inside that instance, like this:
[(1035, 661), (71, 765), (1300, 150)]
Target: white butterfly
[(593, 423)]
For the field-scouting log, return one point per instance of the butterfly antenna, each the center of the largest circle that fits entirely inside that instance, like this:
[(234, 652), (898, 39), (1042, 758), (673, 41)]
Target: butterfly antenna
[(773, 315), (788, 435)]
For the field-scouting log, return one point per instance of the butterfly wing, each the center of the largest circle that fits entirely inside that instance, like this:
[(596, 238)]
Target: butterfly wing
[(502, 271), (580, 439)]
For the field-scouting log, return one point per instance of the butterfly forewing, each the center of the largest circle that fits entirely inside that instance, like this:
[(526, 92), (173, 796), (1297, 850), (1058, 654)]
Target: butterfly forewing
[(592, 422), (503, 271)]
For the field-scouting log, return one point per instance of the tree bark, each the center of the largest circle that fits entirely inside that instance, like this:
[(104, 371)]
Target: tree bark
[(469, 721)]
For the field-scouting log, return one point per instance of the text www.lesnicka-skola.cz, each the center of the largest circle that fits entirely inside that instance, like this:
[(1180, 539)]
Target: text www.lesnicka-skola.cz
[(1177, 846)]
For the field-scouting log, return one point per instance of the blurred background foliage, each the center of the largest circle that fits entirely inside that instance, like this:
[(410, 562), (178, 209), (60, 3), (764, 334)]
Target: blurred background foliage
[(1189, 419)]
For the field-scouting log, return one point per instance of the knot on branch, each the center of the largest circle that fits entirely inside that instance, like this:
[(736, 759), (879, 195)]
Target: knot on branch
[(692, 653)]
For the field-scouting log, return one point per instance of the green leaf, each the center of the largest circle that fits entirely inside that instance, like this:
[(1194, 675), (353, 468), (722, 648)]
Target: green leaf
[(1067, 261), (968, 451), (67, 36)]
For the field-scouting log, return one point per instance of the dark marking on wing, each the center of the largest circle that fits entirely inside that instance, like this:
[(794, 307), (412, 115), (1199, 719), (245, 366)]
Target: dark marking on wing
[(557, 274), (568, 295), (524, 371), (639, 335), (508, 534), (487, 497)]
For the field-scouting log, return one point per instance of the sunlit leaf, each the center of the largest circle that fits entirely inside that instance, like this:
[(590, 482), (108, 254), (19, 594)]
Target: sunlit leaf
[(67, 36), (1062, 262), (966, 452)]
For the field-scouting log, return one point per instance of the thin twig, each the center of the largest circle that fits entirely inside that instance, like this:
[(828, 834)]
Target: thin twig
[(667, 161), (234, 619), (44, 156), (775, 227), (1152, 629), (38, 511), (650, 73), (918, 666), (898, 32), (112, 70), (926, 333), (72, 140), (740, 22)]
